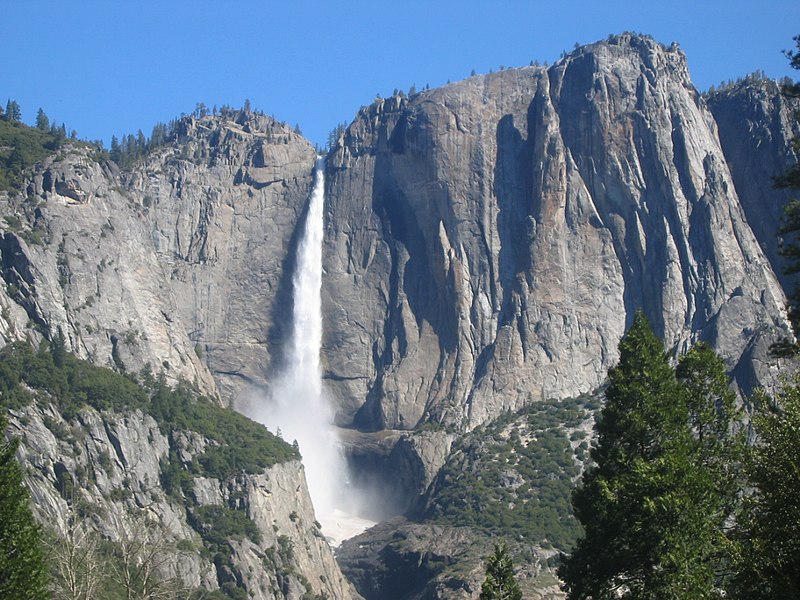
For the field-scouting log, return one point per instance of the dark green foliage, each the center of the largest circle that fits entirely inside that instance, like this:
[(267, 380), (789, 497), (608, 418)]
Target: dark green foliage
[(176, 479), (242, 445), (42, 122), (655, 505), (334, 135), (130, 148), (74, 384), (23, 574), (514, 477), (719, 439), (238, 444), (500, 583), (13, 113), (769, 562), (217, 524), (641, 416)]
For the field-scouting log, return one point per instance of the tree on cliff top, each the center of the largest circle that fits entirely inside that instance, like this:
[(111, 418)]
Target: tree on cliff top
[(23, 574)]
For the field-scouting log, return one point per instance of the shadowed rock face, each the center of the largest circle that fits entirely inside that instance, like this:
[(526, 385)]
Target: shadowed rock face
[(488, 242), (756, 124)]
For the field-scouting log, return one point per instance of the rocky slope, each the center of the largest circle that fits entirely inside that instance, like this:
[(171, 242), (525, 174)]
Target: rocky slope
[(488, 241), (180, 264), (224, 503), (509, 480)]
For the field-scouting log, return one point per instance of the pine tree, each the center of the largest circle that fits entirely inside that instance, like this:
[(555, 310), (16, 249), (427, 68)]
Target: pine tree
[(58, 348), (651, 506), (42, 122), (715, 452), (13, 112), (115, 153), (769, 529), (500, 583), (23, 574)]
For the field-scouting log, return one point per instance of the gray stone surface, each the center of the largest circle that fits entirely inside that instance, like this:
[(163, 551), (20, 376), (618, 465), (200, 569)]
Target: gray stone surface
[(756, 125), (486, 245), (489, 241)]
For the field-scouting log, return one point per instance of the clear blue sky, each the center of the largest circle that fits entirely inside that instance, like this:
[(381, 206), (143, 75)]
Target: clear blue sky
[(108, 67)]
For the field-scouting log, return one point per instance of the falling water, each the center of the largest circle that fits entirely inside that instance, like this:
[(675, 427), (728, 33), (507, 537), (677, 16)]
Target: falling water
[(299, 407)]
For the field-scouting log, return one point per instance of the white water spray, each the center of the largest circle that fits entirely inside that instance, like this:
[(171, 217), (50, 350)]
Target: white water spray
[(298, 406)]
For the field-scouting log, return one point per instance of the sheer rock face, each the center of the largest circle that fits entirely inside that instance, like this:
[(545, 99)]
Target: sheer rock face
[(488, 242), (756, 124), (486, 245), (181, 262)]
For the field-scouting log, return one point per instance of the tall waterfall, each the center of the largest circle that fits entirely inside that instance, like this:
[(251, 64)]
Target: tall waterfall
[(298, 406)]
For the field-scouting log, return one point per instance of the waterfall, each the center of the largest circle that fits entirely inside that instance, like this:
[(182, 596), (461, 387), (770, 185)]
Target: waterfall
[(298, 407)]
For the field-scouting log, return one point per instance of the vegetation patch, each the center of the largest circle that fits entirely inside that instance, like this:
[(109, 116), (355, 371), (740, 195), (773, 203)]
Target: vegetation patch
[(217, 524), (22, 146), (240, 445), (514, 477)]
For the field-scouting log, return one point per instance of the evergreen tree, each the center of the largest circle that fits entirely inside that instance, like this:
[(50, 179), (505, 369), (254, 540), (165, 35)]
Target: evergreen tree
[(58, 348), (115, 153), (23, 573), (651, 508), (13, 112), (141, 144), (716, 454), (42, 122), (500, 583), (158, 137), (200, 110), (714, 417), (769, 530)]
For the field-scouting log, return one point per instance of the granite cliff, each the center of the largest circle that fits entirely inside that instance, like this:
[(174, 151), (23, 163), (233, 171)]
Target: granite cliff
[(165, 480), (756, 125), (179, 262), (489, 241)]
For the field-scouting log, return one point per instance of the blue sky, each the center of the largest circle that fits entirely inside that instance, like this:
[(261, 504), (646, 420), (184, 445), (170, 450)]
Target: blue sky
[(106, 67)]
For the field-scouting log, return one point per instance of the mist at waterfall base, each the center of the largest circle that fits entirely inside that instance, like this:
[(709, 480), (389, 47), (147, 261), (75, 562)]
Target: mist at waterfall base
[(297, 407)]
